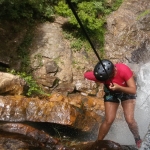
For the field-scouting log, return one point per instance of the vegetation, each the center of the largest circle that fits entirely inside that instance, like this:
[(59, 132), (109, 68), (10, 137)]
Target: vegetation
[(92, 14), (146, 12), (26, 9), (34, 89), (26, 12)]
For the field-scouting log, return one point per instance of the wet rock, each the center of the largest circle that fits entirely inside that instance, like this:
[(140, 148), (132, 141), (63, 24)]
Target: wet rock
[(17, 141), (141, 54), (98, 145), (54, 109), (129, 147), (106, 144), (28, 131), (40, 139), (146, 141)]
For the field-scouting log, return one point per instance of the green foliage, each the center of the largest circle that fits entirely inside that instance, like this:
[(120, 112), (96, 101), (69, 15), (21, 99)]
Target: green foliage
[(62, 9), (146, 12), (116, 4), (27, 9), (92, 15), (87, 12), (77, 44), (34, 89), (38, 58)]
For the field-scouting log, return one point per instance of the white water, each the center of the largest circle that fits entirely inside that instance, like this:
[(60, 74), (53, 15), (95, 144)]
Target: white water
[(119, 131)]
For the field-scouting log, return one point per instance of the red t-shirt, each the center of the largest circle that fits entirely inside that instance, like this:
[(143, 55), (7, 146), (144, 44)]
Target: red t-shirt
[(123, 74)]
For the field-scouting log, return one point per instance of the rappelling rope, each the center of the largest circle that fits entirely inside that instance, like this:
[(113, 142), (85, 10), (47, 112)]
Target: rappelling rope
[(82, 27)]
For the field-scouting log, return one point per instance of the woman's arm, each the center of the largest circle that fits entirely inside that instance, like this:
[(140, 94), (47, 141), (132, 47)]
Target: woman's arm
[(130, 89), (90, 76)]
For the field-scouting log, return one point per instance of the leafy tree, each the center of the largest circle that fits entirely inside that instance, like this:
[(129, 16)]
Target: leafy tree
[(29, 9)]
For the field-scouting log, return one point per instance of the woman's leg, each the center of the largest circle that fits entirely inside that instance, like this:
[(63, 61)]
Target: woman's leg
[(128, 108), (110, 114)]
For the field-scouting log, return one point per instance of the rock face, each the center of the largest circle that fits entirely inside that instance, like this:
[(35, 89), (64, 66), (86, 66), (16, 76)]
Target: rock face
[(128, 33), (72, 111), (58, 68), (17, 135), (55, 62)]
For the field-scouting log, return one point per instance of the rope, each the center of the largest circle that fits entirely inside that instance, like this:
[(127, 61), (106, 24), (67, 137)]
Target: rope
[(82, 27)]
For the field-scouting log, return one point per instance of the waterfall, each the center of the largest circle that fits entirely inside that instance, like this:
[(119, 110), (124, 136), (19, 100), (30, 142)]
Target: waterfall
[(119, 131), (143, 104)]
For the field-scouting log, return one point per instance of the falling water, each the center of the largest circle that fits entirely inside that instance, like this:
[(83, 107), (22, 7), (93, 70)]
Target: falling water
[(119, 131)]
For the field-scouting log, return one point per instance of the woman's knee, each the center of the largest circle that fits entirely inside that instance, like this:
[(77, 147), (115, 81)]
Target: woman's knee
[(130, 121), (109, 121)]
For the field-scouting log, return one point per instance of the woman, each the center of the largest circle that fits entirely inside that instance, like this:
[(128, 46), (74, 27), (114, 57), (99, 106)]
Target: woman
[(119, 87)]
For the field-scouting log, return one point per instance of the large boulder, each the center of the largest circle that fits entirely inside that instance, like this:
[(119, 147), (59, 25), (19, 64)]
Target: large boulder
[(11, 84), (80, 112)]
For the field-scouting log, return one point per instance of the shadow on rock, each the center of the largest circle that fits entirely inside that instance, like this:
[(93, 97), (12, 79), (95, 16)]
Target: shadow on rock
[(105, 145), (98, 145)]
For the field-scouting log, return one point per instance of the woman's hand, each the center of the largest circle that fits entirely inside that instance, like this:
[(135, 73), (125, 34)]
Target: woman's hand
[(114, 86), (130, 89)]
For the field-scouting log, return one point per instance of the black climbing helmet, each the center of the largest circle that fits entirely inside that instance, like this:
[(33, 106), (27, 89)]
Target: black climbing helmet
[(103, 74)]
